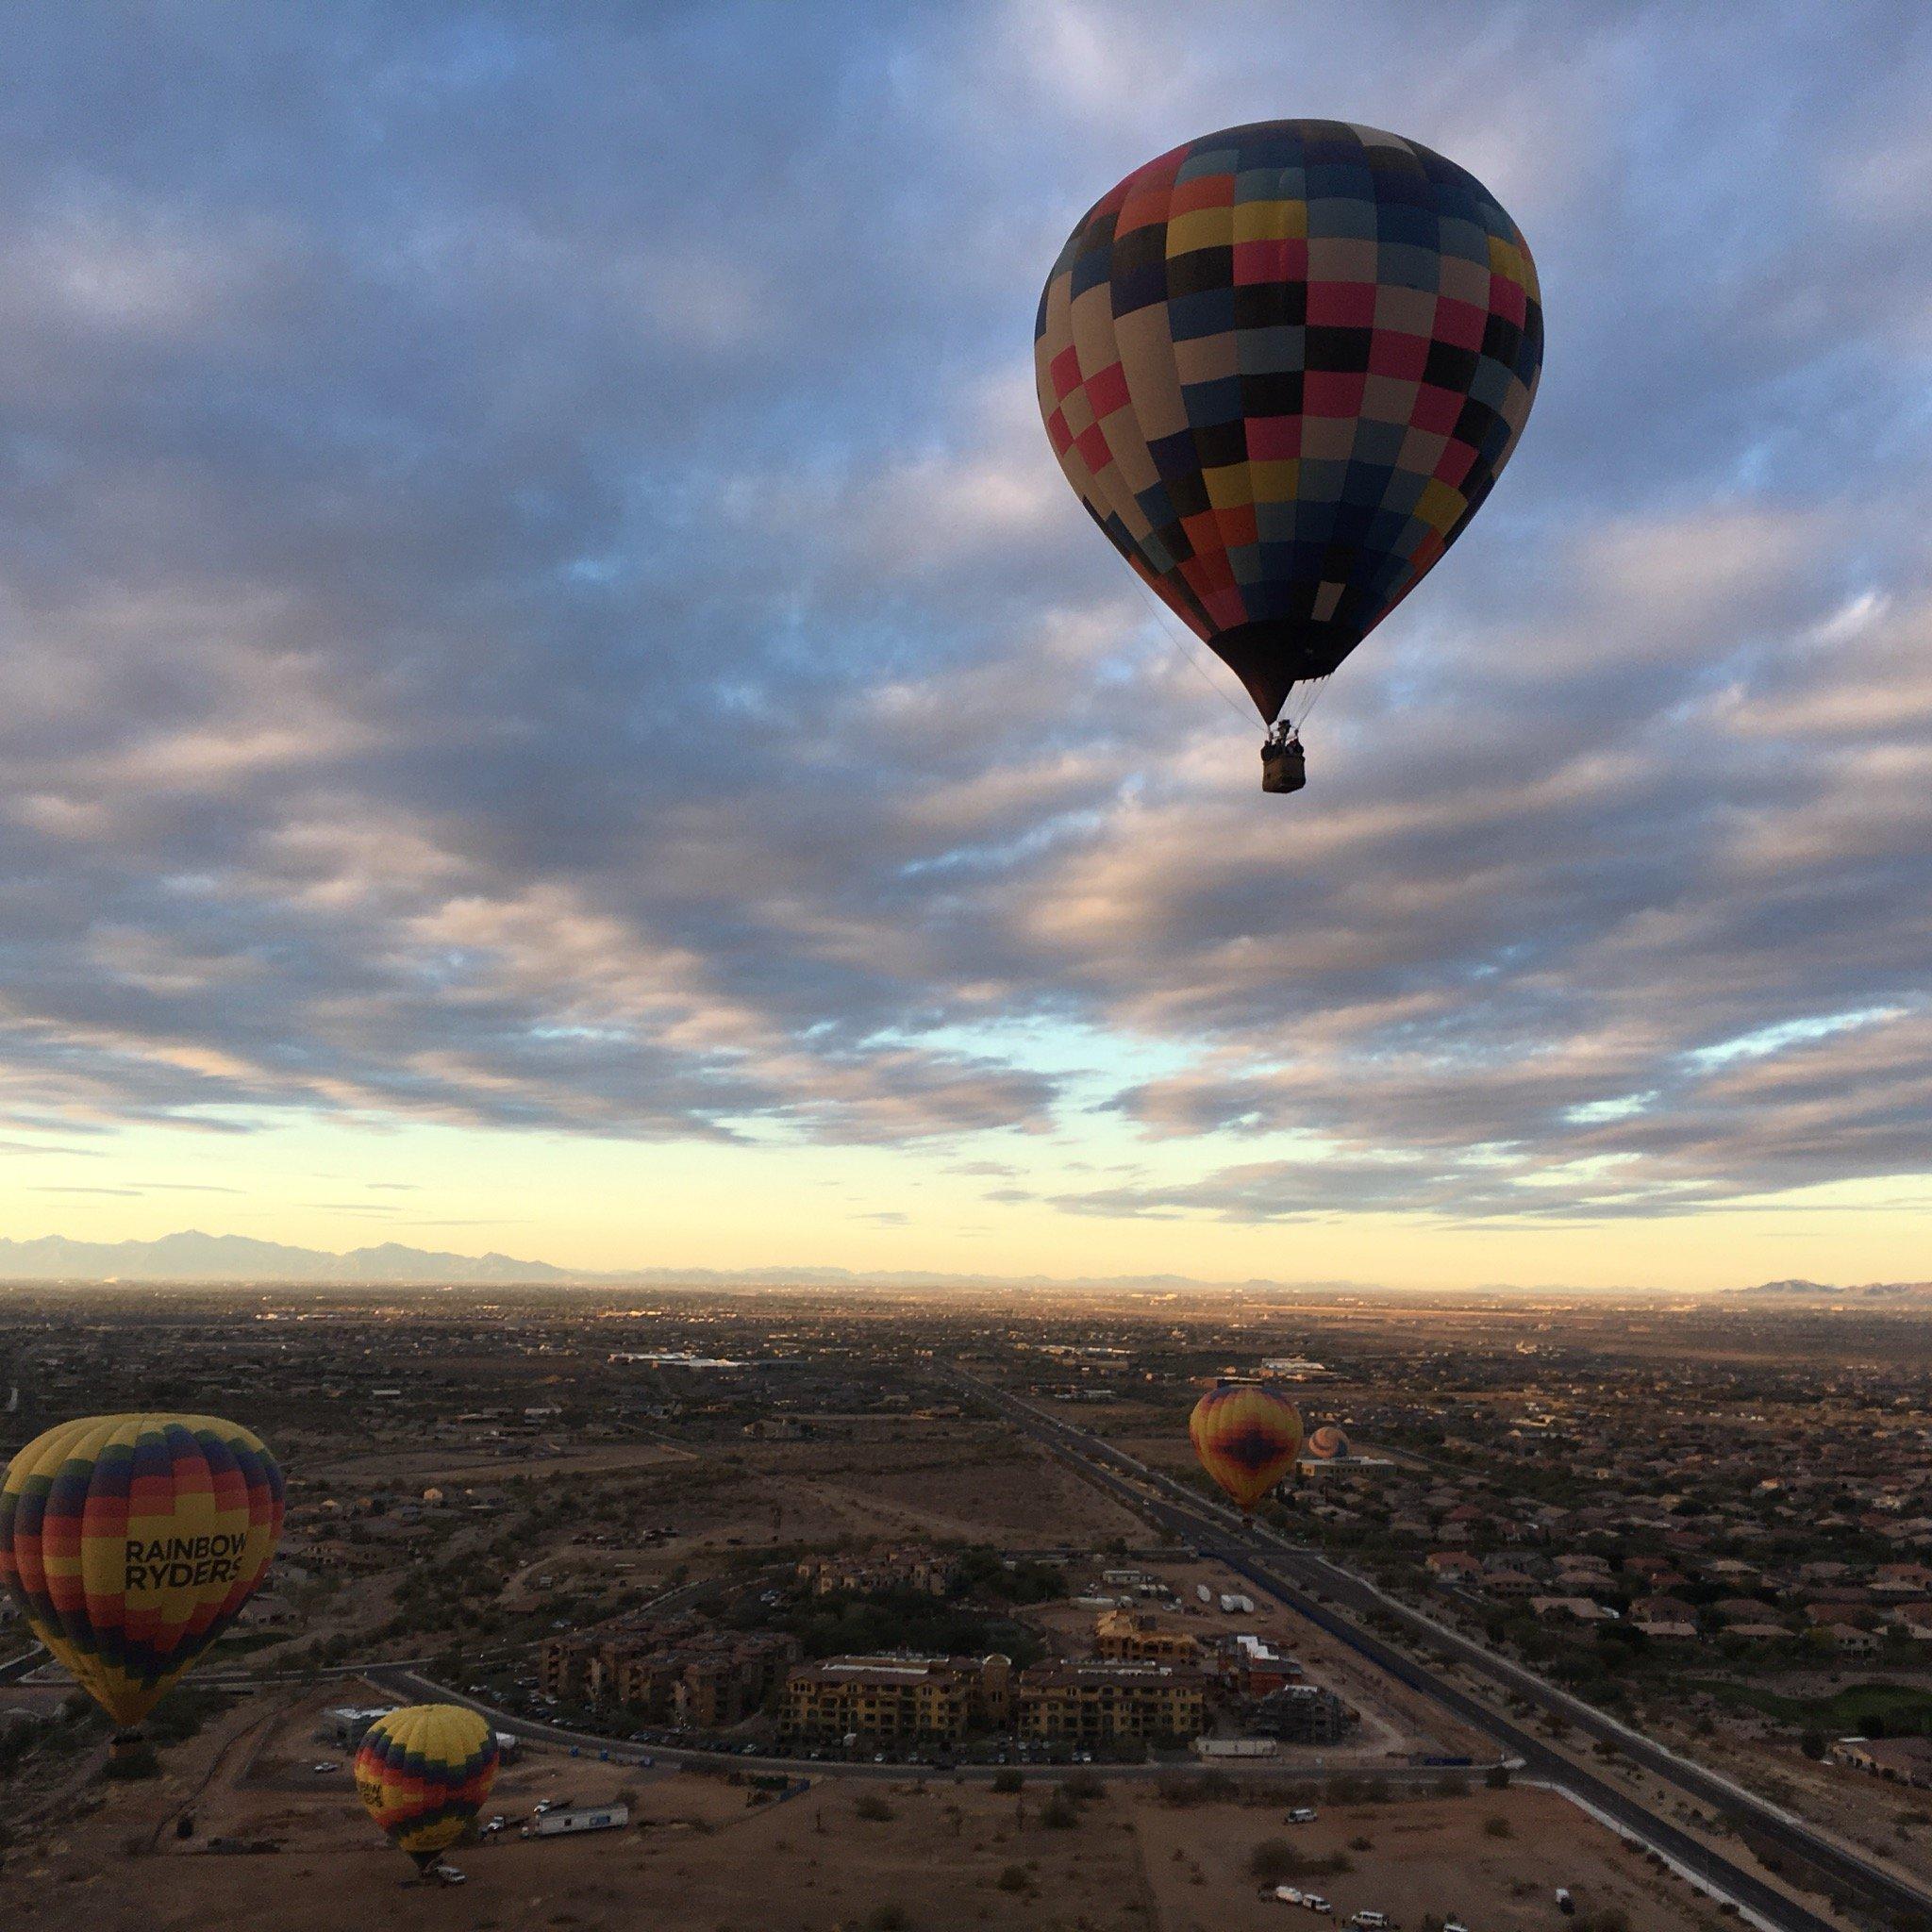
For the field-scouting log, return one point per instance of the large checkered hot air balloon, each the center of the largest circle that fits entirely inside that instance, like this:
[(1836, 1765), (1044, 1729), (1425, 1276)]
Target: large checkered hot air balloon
[(1248, 1436), (130, 1541), (423, 1772), (1282, 366)]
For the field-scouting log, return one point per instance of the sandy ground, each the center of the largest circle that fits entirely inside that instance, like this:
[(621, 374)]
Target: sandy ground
[(1422, 1854), (456, 1464), (979, 1488), (701, 1859)]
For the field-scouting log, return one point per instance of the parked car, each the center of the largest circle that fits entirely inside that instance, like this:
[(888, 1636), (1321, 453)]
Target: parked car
[(1302, 1814), (324, 1766)]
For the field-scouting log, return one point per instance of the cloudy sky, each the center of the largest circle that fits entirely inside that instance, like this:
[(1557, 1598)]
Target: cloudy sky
[(553, 696)]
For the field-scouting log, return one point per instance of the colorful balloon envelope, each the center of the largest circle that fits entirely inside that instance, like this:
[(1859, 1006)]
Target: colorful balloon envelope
[(130, 1541), (424, 1773), (1247, 1436), (1282, 366), (1326, 1443)]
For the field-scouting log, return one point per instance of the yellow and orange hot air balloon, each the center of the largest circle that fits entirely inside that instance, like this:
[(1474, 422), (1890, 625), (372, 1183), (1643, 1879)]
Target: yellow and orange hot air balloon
[(130, 1541), (424, 1772), (1247, 1434)]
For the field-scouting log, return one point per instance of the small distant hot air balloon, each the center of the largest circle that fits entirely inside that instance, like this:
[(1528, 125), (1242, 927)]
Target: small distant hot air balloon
[(1326, 1444), (1281, 366), (1247, 1434), (424, 1773), (130, 1541)]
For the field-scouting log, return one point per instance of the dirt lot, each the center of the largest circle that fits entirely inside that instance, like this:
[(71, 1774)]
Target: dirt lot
[(453, 1465), (979, 1486), (701, 1859), (1421, 1854)]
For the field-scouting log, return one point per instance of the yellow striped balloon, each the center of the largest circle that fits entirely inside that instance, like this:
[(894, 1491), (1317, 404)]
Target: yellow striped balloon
[(1247, 1436), (130, 1541), (424, 1773)]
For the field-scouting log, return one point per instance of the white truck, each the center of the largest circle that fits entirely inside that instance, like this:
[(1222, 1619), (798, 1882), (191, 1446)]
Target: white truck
[(1308, 1901)]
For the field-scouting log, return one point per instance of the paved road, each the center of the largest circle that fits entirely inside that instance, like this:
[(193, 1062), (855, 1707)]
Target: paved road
[(1325, 1594), (413, 1686)]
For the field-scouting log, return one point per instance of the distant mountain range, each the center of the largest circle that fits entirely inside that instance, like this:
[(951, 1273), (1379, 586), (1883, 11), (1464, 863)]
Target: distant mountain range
[(195, 1256), (1821, 1292)]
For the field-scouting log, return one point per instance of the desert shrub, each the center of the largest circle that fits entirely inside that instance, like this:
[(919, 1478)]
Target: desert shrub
[(1274, 1862), (1498, 1827), (871, 1806), (1007, 1781), (1059, 1813), (1013, 1878)]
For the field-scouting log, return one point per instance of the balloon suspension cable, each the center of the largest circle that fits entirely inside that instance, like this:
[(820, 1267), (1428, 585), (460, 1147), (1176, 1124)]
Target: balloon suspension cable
[(1177, 637), (1320, 687)]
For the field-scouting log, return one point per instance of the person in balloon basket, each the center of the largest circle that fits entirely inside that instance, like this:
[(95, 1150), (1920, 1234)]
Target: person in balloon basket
[(1284, 767)]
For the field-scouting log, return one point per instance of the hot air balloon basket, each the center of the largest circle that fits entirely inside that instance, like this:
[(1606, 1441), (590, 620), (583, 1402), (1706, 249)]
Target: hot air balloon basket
[(1284, 768)]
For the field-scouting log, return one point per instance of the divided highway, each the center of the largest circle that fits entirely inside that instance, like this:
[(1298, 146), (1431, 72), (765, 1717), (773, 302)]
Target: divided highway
[(1296, 1575)]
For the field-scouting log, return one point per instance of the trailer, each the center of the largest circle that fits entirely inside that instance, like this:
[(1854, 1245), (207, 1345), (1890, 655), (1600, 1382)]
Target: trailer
[(599, 1817), (1235, 1747)]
